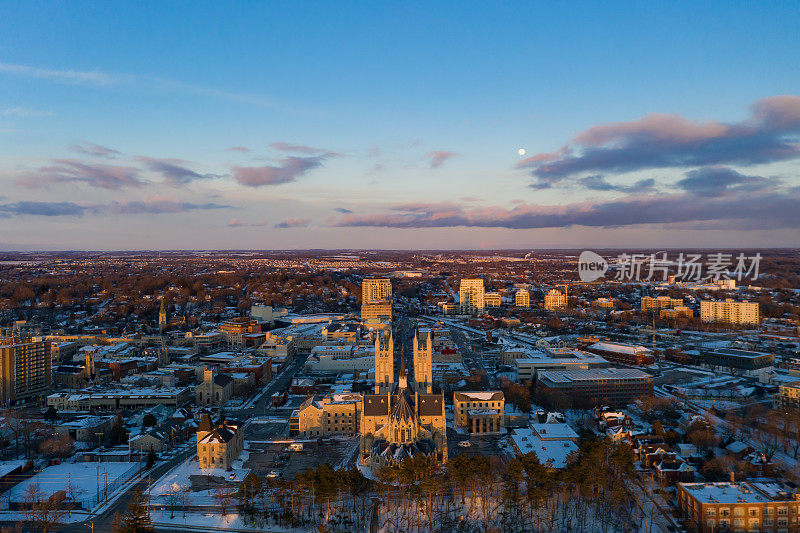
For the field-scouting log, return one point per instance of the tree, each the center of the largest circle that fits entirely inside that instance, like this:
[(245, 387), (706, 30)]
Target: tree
[(57, 446), (137, 518), (657, 428), (223, 496), (149, 420), (44, 512), (119, 434), (151, 459)]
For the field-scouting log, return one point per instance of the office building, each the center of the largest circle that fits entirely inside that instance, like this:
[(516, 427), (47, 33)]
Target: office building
[(729, 311), (471, 295), (600, 386)]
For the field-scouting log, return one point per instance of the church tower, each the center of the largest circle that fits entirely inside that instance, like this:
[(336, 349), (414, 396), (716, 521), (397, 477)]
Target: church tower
[(384, 363), (423, 361), (162, 317)]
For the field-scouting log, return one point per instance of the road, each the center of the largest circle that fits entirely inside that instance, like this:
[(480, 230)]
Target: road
[(280, 382)]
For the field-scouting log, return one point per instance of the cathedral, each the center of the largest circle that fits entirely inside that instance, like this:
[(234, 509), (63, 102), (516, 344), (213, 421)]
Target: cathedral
[(400, 421)]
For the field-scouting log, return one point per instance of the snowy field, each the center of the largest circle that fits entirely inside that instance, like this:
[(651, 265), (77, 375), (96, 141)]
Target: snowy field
[(87, 479)]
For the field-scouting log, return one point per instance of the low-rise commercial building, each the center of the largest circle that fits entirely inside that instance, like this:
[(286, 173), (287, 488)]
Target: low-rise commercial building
[(743, 506), (788, 396), (602, 386), (624, 354)]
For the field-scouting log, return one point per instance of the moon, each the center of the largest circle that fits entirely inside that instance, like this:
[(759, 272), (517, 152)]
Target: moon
[(521, 151)]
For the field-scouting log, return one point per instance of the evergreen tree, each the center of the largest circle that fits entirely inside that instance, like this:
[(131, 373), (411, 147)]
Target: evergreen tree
[(136, 519), (151, 459), (118, 432)]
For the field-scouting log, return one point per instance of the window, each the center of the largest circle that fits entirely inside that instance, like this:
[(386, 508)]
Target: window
[(711, 512), (725, 512), (783, 511), (753, 511)]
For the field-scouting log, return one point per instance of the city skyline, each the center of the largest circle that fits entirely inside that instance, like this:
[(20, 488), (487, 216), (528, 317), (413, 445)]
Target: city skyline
[(311, 126)]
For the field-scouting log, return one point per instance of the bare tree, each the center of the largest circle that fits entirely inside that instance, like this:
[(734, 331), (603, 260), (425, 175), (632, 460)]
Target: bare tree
[(45, 512), (224, 498)]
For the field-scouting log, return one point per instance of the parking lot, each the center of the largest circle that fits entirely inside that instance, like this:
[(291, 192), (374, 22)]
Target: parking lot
[(266, 457)]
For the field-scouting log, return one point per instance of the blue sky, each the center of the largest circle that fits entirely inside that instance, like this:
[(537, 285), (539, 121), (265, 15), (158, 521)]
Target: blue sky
[(398, 125)]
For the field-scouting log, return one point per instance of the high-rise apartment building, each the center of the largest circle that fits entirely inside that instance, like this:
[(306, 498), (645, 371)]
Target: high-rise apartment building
[(471, 293), (375, 289), (661, 302), (729, 311), (25, 370), (376, 299), (522, 298), (555, 299)]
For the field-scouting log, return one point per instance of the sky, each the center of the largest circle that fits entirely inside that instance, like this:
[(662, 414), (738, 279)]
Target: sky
[(278, 125)]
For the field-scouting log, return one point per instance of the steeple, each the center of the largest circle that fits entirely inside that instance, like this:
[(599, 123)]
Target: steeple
[(162, 317), (402, 380)]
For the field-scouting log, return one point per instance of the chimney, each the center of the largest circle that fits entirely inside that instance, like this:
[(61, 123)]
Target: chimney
[(733, 477)]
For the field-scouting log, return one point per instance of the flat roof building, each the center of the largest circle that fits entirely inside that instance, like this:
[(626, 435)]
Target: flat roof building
[(606, 386)]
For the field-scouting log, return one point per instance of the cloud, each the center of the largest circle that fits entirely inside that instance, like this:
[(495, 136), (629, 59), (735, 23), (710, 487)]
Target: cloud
[(68, 76), (238, 149), (96, 78), (342, 210), (770, 134), (158, 205), (94, 150), (289, 169), (438, 157), (112, 177), (773, 208), (714, 181), (46, 209), (26, 112), (293, 223), (300, 149), (174, 171), (153, 206), (597, 182), (239, 223)]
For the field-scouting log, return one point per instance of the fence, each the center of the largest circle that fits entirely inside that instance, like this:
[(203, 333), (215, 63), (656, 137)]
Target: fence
[(108, 488)]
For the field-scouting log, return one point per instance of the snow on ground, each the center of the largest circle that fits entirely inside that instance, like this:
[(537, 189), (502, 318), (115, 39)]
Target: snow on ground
[(87, 479), (212, 521), (179, 479)]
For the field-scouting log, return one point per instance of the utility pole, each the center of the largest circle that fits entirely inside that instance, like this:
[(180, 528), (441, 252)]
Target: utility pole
[(105, 496)]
